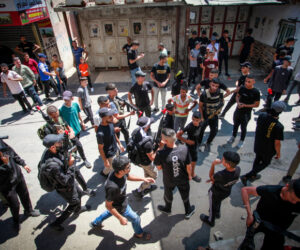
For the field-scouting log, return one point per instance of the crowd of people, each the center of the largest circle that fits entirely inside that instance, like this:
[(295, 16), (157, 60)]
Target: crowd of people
[(177, 144)]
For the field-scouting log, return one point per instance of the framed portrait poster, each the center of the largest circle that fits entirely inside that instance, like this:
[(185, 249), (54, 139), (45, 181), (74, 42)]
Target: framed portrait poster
[(165, 27), (94, 30), (151, 27), (108, 29), (123, 28), (137, 28)]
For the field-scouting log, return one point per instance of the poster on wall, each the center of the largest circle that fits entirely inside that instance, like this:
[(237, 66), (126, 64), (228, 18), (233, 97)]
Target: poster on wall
[(123, 28), (218, 29), (5, 18), (230, 28), (108, 28), (243, 13), (219, 14), (256, 23), (94, 30), (151, 27), (240, 31), (192, 28), (206, 14), (137, 28), (231, 14), (194, 16), (165, 27), (206, 28)]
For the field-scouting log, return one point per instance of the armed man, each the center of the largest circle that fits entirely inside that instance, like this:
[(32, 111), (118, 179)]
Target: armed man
[(55, 168)]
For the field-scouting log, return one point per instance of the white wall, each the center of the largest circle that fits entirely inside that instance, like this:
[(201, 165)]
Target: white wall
[(267, 33)]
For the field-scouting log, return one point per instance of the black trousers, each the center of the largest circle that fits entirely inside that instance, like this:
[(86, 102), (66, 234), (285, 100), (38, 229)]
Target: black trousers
[(229, 104), (223, 56), (215, 201), (259, 164), (79, 178), (240, 118), (146, 110), (21, 98), (89, 113), (275, 95), (46, 85), (213, 125), (244, 55), (89, 82), (122, 125), (192, 75), (272, 240), (79, 146), (184, 190), (64, 84), (73, 197), (39, 84), (11, 195)]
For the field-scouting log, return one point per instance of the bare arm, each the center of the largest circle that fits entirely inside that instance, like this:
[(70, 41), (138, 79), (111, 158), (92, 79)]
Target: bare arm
[(198, 89), (193, 105), (241, 48), (201, 109), (189, 170), (80, 103), (114, 212), (152, 96), (246, 192), (4, 89), (151, 155), (154, 80), (136, 178), (277, 148), (101, 151), (179, 137), (36, 47), (19, 51)]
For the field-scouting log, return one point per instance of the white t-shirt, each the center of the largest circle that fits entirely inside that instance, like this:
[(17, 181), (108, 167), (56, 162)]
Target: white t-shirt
[(97, 118), (15, 87), (210, 48)]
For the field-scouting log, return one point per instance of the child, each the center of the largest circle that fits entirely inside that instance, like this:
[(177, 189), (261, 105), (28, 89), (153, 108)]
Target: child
[(61, 75), (70, 112), (84, 71), (170, 59), (193, 132), (209, 64), (222, 183), (84, 100), (168, 121)]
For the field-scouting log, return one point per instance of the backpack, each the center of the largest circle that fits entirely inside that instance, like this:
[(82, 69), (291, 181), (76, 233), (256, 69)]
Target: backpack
[(47, 182), (135, 147), (43, 131)]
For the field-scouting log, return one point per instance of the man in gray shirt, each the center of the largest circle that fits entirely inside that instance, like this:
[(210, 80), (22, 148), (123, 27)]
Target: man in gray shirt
[(193, 63)]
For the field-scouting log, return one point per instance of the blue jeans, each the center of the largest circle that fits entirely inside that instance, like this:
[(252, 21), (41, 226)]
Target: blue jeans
[(132, 72), (129, 214), (32, 93)]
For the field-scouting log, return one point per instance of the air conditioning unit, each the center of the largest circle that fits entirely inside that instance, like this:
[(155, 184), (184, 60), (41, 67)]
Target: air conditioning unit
[(133, 1), (104, 2), (76, 3)]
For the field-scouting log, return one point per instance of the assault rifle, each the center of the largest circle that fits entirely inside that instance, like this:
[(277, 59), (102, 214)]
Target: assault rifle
[(67, 150), (157, 136), (130, 106)]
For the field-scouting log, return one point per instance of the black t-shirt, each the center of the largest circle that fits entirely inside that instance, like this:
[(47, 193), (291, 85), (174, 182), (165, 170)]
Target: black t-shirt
[(205, 84), (192, 41), (160, 73), (176, 86), (140, 93), (132, 55), (168, 121), (247, 41), (273, 209), (224, 45), (268, 130), (289, 50), (145, 145), (224, 181), (192, 132), (27, 47), (248, 96), (115, 189), (241, 80), (173, 162), (106, 136), (204, 42), (277, 63), (127, 47)]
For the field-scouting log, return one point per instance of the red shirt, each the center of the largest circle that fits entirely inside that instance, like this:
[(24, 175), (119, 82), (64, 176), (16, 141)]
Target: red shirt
[(32, 64), (209, 65)]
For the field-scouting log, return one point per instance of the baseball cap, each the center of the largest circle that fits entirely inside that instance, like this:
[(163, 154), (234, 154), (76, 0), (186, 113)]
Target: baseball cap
[(42, 55), (231, 156), (278, 106), (246, 64), (197, 114), (51, 139), (296, 187), (291, 39), (140, 73), (144, 121), (67, 95), (105, 112), (110, 86), (169, 106)]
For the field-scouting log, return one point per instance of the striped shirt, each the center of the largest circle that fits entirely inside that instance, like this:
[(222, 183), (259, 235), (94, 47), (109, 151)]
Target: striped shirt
[(182, 106)]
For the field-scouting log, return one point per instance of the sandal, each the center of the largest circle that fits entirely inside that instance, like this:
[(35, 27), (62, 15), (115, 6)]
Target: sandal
[(145, 236)]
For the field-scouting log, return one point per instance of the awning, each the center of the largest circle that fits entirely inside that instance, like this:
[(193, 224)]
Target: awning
[(230, 2)]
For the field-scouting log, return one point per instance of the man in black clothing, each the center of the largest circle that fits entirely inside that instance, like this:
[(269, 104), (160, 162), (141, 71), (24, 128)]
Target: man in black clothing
[(176, 166), (62, 177), (247, 98), (222, 183), (27, 47), (277, 62), (127, 47), (288, 46), (168, 121), (178, 81), (116, 200), (204, 42), (225, 45), (278, 205), (140, 91), (268, 134), (245, 70), (12, 183), (6, 55), (133, 57), (192, 40), (247, 46)]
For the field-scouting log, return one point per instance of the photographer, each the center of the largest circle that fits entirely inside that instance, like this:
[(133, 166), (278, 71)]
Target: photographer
[(277, 205), (62, 178)]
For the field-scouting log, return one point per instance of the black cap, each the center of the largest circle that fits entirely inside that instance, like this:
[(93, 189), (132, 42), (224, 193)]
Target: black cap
[(140, 73), (246, 64), (144, 121), (170, 106), (216, 80), (194, 32), (250, 76), (110, 86), (291, 39), (296, 186), (105, 112), (51, 139), (203, 32), (231, 156), (197, 114), (278, 106), (102, 99)]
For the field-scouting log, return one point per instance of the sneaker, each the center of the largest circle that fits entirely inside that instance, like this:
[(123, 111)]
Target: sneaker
[(231, 140), (49, 99), (104, 175), (207, 146), (92, 90), (32, 213), (164, 209), (206, 220), (244, 180), (150, 189), (155, 110), (254, 178), (218, 215), (240, 145), (89, 192), (137, 194), (196, 178), (57, 227), (286, 178), (87, 164), (94, 226), (189, 214)]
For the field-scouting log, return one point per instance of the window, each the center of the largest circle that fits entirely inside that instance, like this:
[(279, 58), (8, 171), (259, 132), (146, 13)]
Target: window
[(286, 30)]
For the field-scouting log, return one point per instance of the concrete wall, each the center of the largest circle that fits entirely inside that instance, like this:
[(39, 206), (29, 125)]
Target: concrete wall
[(267, 33)]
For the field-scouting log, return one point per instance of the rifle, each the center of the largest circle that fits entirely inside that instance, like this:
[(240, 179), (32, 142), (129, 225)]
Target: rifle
[(157, 136), (3, 137)]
